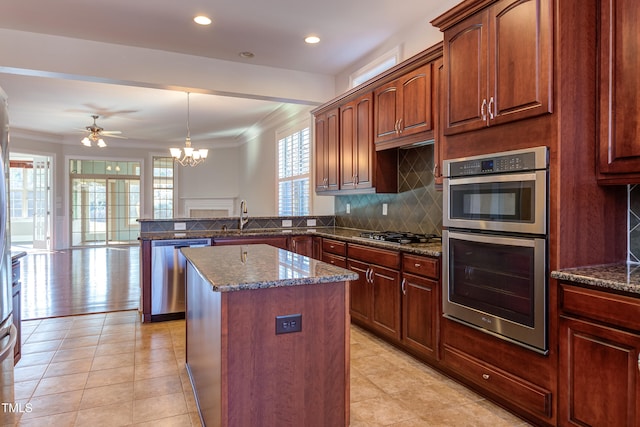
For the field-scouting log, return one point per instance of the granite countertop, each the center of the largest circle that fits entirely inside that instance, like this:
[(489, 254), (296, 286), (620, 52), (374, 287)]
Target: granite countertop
[(619, 277), (250, 267), (349, 235)]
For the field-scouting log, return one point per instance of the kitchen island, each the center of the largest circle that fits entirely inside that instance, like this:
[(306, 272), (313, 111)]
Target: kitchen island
[(267, 337)]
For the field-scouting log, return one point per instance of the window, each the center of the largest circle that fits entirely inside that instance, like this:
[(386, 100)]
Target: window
[(163, 187), (293, 173), (21, 189), (376, 67)]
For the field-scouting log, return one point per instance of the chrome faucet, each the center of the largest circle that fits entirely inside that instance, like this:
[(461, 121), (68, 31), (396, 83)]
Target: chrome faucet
[(244, 216)]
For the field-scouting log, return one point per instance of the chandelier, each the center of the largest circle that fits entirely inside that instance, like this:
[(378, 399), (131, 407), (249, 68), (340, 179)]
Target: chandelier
[(191, 156)]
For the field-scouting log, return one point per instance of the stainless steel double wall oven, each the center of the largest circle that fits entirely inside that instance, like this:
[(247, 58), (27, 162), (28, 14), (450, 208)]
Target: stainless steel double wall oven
[(495, 245)]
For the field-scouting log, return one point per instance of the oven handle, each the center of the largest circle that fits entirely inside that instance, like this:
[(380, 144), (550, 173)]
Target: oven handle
[(526, 242), (528, 176)]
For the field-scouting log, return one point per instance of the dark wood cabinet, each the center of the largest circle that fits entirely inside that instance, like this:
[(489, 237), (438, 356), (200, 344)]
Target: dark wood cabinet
[(403, 107), (619, 92), (356, 143), (302, 245), (438, 102), (334, 252), (327, 137), (599, 382), (375, 296), (498, 65), (420, 304)]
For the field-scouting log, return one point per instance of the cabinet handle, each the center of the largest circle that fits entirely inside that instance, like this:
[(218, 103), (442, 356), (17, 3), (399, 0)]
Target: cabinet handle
[(483, 109), (403, 287), (399, 125), (485, 376), (435, 170), (491, 103), (396, 126), (639, 361), (417, 265)]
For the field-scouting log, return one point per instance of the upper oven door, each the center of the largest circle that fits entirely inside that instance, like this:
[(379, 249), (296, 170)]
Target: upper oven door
[(515, 202)]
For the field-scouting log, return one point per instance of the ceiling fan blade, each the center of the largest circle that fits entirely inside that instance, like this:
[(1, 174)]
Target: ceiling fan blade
[(115, 136), (110, 132)]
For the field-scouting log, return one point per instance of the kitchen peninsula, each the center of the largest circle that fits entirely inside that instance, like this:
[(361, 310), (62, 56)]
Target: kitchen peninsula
[(267, 337)]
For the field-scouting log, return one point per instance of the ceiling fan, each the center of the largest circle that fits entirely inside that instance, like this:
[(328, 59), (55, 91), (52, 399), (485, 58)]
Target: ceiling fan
[(96, 133)]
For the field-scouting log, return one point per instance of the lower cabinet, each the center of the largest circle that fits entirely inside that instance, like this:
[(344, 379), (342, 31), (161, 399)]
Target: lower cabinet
[(420, 298), (421, 304), (599, 378), (302, 245), (375, 296)]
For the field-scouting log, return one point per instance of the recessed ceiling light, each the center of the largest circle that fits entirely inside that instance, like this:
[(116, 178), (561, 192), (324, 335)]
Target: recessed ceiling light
[(312, 39), (202, 20), (246, 54)]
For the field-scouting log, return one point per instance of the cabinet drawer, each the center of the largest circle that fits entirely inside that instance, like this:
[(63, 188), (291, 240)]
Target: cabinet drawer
[(606, 307), (517, 390), (383, 257), (336, 260), (334, 247), (423, 266)]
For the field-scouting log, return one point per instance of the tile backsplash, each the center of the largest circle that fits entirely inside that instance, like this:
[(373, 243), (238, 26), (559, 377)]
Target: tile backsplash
[(416, 208), (634, 223)]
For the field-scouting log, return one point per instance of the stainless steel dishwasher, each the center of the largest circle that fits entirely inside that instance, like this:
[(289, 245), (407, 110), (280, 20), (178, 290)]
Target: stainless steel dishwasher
[(168, 268)]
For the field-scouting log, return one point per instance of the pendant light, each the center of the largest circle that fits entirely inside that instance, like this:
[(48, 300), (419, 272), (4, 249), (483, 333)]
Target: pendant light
[(191, 156)]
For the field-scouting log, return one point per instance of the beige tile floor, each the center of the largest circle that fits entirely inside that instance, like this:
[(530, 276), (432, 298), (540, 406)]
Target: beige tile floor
[(111, 370)]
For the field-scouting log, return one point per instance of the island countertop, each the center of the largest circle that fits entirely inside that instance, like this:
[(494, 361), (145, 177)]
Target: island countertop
[(249, 267)]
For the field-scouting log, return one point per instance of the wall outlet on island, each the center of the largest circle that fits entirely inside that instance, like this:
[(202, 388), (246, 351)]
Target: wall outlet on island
[(287, 223), (384, 208), (288, 323)]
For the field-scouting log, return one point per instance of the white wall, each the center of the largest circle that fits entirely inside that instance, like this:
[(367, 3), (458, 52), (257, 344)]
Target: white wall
[(412, 41), (258, 160)]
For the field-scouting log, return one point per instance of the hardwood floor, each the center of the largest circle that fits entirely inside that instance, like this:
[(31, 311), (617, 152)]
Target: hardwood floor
[(80, 281)]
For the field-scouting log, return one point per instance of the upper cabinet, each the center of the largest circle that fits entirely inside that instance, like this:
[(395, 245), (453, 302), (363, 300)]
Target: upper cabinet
[(619, 127), (498, 65), (327, 154), (403, 107), (356, 149), (355, 133)]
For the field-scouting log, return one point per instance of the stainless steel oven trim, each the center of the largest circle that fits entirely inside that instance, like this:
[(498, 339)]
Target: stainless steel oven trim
[(540, 153), (539, 226), (532, 338)]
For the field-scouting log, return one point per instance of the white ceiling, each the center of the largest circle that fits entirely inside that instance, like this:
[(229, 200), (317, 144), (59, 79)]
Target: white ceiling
[(273, 30)]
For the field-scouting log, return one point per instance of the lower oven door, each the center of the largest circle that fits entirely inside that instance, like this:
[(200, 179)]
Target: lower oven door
[(497, 284)]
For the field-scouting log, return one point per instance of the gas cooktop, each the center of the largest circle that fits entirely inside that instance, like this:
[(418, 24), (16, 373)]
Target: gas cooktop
[(399, 237)]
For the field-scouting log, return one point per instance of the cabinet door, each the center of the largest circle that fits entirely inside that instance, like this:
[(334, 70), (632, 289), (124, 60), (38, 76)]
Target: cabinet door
[(387, 101), (347, 143), (385, 315), (520, 60), (420, 298), (321, 155), (363, 149), (598, 382), (327, 154), (360, 292), (619, 137), (302, 245), (416, 102), (465, 79)]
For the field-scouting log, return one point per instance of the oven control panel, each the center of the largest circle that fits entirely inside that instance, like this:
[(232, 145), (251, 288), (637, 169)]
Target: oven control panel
[(514, 161)]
